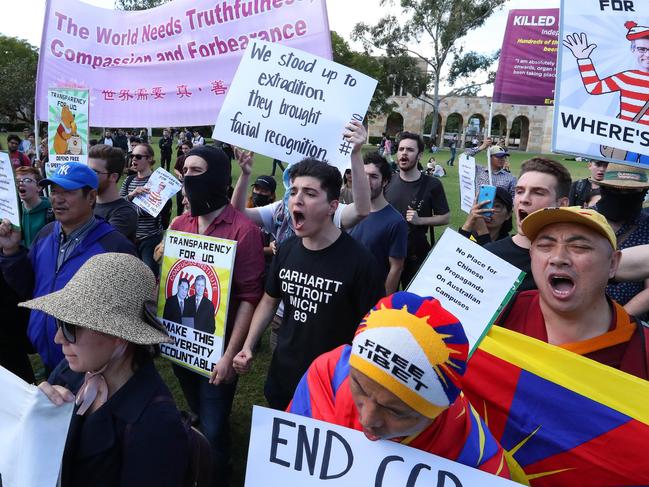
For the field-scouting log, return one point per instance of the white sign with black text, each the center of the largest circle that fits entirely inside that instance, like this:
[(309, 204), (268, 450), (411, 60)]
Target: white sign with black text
[(9, 205), (161, 186), (469, 281), (288, 104), (466, 172), (296, 451)]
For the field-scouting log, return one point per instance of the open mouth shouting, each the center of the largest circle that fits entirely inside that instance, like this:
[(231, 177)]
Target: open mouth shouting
[(522, 214), (562, 285), (298, 220)]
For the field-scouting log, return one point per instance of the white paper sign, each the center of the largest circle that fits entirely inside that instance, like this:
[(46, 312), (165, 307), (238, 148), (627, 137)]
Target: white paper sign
[(32, 434), (8, 197), (295, 451), (469, 281), (162, 187), (289, 104), (603, 81), (466, 172)]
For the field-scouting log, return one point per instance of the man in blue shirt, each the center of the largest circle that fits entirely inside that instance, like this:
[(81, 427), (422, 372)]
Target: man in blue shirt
[(384, 231)]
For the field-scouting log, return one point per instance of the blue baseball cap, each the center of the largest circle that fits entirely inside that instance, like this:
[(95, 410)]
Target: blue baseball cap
[(71, 176)]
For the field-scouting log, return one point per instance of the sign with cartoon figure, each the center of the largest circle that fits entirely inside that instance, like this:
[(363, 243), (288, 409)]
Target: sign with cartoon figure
[(193, 298), (602, 103), (67, 127), (160, 187)]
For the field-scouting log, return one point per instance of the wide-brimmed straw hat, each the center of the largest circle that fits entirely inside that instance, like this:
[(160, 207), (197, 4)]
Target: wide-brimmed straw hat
[(624, 177), (110, 294)]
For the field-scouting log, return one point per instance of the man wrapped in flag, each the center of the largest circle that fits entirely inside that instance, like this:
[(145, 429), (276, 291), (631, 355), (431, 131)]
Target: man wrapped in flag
[(561, 410), (400, 380)]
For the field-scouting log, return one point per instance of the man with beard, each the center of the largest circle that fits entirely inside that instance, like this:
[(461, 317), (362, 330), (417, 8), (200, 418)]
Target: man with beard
[(108, 164), (542, 183), (384, 232), (326, 280), (420, 199), (207, 177), (573, 256), (585, 192), (623, 190)]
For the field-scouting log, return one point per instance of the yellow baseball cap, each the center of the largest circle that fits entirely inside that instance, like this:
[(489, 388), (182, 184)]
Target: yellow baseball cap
[(592, 219)]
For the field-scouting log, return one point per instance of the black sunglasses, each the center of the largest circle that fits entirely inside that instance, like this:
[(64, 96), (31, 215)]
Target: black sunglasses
[(138, 157), (69, 330)]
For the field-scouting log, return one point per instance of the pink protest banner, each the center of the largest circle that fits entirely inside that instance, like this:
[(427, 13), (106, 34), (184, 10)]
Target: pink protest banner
[(168, 66), (528, 59)]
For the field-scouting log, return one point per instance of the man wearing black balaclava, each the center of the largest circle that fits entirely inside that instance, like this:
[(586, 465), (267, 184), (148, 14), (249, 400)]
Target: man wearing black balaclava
[(623, 191), (207, 177)]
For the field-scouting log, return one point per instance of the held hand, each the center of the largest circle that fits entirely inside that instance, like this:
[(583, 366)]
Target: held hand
[(243, 361), (412, 216), (159, 252), (222, 372), (273, 246), (9, 238), (355, 134), (578, 45), (245, 160), (138, 191), (57, 394), (486, 143)]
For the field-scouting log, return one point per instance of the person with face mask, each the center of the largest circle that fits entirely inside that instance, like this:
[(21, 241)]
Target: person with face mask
[(623, 191), (207, 177), (125, 424), (263, 193)]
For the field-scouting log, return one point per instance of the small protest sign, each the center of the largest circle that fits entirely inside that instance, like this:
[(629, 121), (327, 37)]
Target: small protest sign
[(9, 206), (602, 104), (28, 421), (289, 104), (299, 451), (469, 281), (466, 173), (67, 127), (162, 187), (195, 286), (528, 58)]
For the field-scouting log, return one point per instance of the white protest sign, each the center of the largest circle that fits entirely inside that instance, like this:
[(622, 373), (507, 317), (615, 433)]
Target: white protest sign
[(289, 104), (32, 434), (603, 81), (9, 206), (193, 299), (466, 173), (162, 186), (296, 451), (469, 281)]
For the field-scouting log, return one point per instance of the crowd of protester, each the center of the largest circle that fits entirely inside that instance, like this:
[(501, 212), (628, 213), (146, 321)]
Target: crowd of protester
[(322, 267)]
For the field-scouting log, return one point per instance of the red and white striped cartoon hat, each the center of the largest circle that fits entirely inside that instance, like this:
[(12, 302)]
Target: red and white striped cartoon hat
[(636, 31)]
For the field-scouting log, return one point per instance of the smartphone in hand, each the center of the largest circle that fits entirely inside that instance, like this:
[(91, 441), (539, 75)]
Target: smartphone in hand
[(487, 193)]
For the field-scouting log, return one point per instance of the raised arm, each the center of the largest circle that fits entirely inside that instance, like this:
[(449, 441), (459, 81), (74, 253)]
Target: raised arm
[(240, 194), (352, 214)]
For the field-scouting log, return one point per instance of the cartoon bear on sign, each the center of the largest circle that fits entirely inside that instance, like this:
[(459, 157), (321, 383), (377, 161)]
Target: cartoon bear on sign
[(66, 129)]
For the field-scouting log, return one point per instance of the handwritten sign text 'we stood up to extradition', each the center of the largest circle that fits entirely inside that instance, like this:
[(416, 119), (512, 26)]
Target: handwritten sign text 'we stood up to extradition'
[(289, 105)]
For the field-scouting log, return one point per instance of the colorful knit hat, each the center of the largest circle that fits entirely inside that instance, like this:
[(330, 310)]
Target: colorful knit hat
[(414, 348), (636, 31)]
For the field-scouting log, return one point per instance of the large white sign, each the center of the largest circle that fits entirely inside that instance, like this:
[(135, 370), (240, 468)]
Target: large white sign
[(289, 104), (603, 81), (466, 173), (32, 434), (469, 281), (295, 451), (8, 197)]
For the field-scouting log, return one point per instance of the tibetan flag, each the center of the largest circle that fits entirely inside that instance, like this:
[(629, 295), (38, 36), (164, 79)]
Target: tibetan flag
[(564, 419)]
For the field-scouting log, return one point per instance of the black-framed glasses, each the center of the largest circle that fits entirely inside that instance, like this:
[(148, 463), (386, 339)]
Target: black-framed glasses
[(139, 157), (99, 172), (68, 329)]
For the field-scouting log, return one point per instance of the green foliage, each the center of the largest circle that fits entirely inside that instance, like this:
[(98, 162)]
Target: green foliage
[(18, 61), (138, 4), (435, 27)]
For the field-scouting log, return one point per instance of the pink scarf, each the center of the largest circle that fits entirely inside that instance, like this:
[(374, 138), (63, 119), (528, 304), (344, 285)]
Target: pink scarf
[(94, 385)]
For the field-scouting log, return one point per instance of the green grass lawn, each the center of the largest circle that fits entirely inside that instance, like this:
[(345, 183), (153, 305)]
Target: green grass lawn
[(250, 387)]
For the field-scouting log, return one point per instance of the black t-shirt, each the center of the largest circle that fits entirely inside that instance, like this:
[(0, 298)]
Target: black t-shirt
[(325, 293), (517, 256), (428, 202), (121, 214)]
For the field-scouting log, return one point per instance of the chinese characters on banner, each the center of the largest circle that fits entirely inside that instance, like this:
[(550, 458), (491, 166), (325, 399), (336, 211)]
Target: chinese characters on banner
[(67, 127), (289, 104), (193, 299), (603, 82), (167, 66), (528, 59)]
